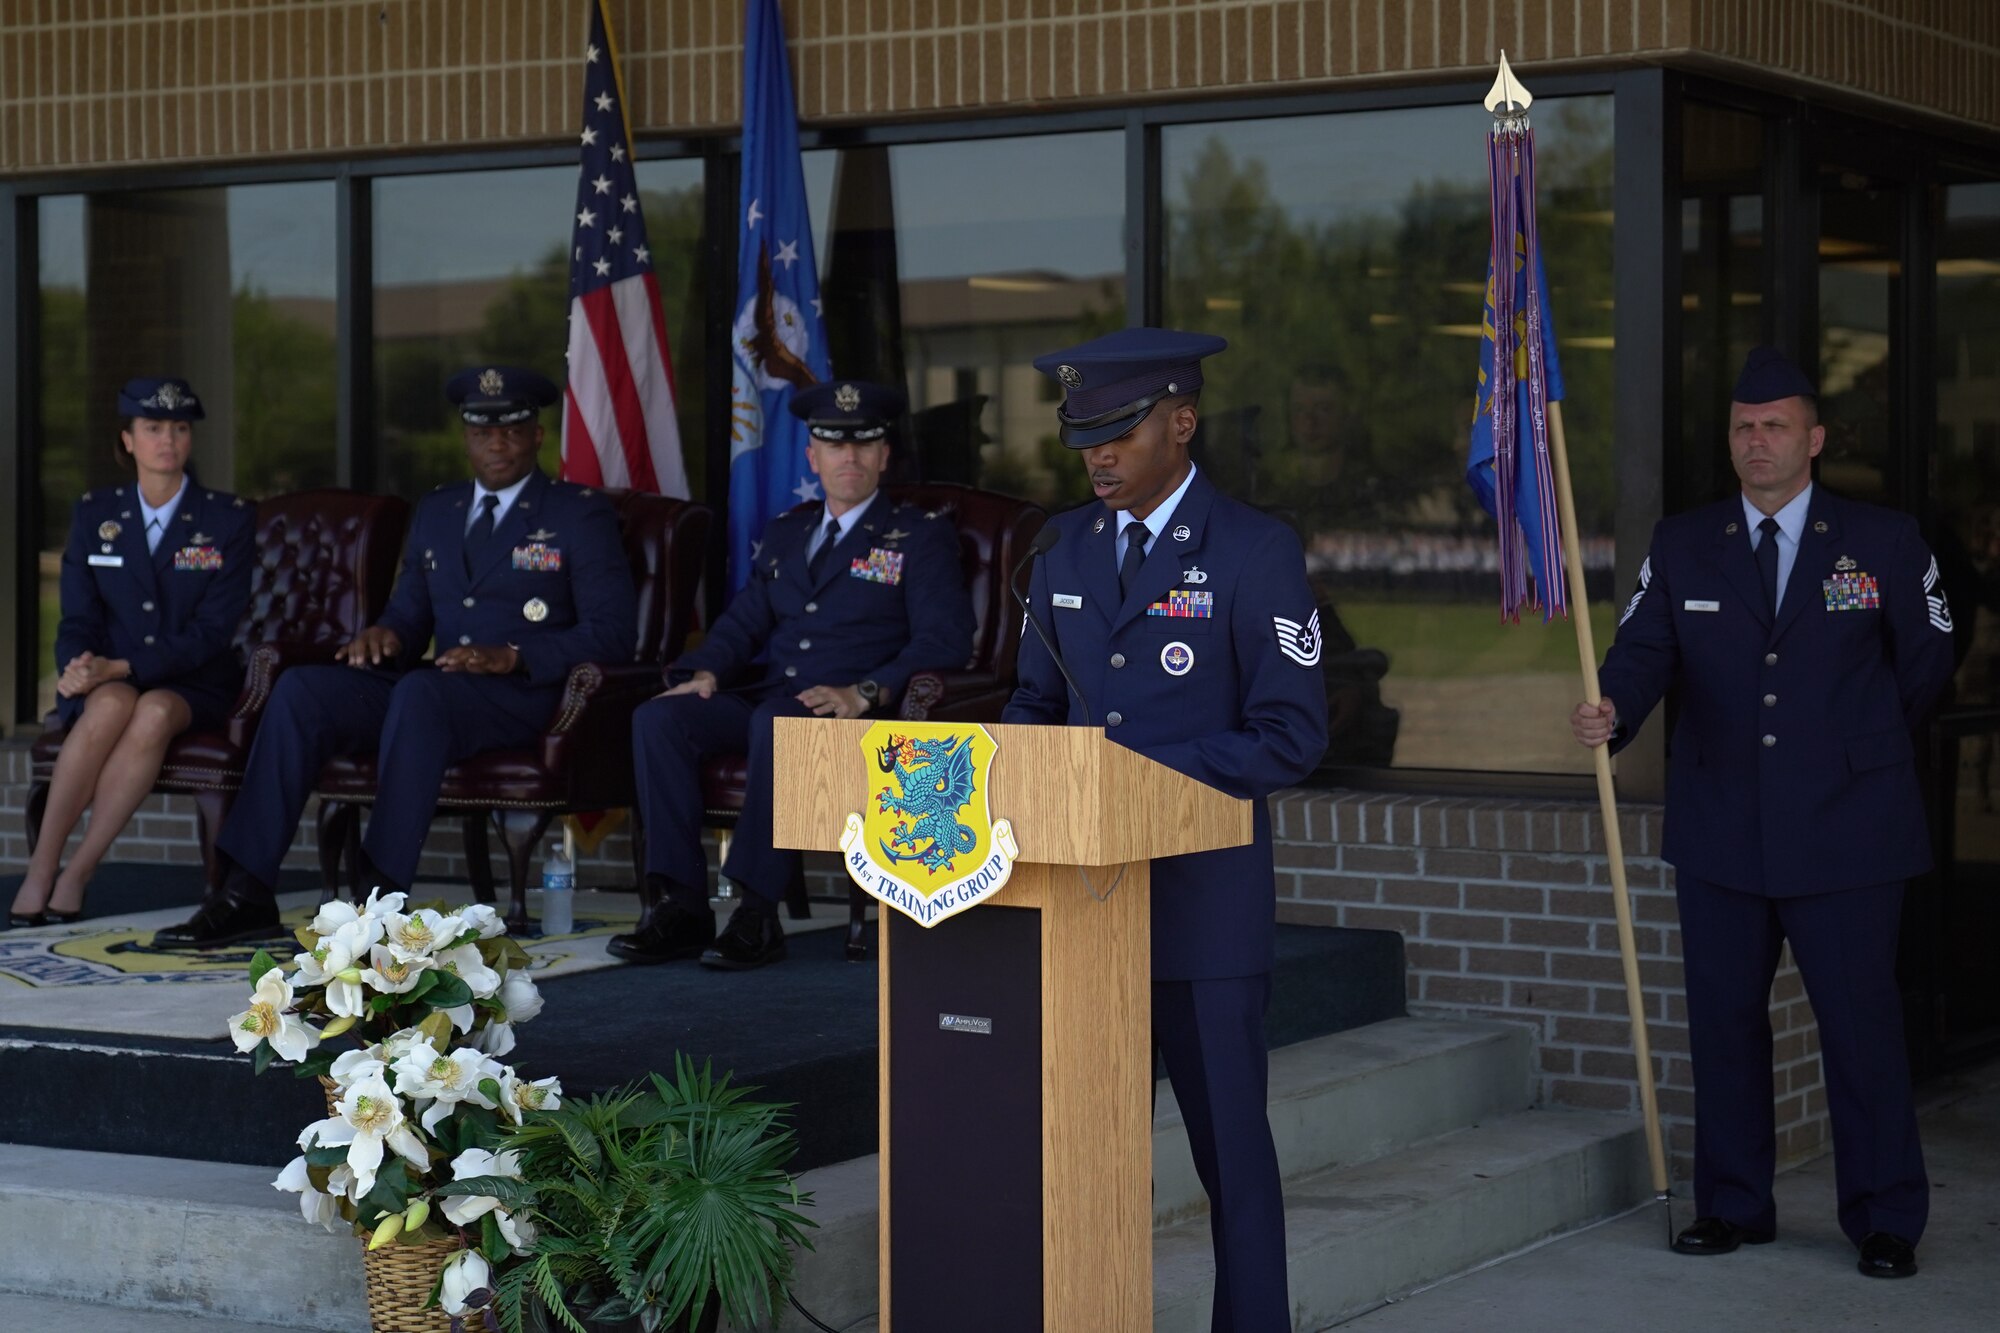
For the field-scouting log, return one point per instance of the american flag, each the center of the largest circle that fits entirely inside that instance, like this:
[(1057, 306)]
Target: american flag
[(618, 418)]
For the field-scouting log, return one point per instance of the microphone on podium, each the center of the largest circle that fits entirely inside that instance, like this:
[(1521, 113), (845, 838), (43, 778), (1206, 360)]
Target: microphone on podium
[(1045, 541)]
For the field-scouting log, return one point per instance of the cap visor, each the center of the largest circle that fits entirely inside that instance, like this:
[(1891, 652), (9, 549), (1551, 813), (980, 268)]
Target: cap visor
[(1083, 437)]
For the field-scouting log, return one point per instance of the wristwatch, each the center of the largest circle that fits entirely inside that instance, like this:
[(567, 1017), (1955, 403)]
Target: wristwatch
[(870, 692)]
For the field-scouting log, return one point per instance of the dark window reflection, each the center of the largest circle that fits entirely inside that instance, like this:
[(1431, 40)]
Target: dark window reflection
[(231, 288), (1344, 258), (1724, 281), (1860, 237), (949, 268), (474, 267)]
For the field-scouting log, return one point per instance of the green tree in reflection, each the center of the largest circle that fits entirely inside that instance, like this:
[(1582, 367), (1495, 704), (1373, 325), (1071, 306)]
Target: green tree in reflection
[(284, 399)]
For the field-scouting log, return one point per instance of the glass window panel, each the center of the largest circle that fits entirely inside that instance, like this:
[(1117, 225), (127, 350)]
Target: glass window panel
[(1724, 278), (1860, 237), (1965, 461), (231, 288), (1344, 258), (942, 273), (473, 267)]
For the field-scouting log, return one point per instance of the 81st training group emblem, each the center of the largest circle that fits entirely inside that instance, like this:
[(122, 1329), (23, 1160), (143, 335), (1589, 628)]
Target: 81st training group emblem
[(928, 845)]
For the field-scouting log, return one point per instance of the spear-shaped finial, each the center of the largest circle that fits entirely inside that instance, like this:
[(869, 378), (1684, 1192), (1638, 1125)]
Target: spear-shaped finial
[(1508, 99)]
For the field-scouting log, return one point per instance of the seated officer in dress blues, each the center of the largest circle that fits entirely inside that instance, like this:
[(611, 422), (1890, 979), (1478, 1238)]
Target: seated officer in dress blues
[(1807, 639), (847, 600), (154, 581), (517, 577), (1189, 626)]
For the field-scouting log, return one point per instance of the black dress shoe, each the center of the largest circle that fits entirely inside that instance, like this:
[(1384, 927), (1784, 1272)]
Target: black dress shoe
[(237, 913), (752, 938), (674, 933), (29, 920), (1715, 1235), (1884, 1255)]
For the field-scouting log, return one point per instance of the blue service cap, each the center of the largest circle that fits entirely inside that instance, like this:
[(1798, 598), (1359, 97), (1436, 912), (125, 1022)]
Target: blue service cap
[(1111, 383), (159, 400), (845, 410), (500, 395), (1768, 375)]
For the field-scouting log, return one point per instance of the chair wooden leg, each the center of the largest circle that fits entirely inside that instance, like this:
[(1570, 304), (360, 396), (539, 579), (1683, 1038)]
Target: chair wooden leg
[(211, 807), (797, 906), (337, 820), (520, 833), (857, 924), (478, 855), (38, 805)]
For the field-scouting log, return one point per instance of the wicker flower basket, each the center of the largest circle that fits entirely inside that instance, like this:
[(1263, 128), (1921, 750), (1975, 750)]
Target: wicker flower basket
[(400, 1276)]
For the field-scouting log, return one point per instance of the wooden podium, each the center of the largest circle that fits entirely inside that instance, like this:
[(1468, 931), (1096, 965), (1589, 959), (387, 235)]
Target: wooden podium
[(1016, 1043)]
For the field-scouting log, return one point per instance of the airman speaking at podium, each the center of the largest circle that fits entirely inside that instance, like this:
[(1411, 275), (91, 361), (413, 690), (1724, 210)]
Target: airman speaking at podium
[(1187, 622)]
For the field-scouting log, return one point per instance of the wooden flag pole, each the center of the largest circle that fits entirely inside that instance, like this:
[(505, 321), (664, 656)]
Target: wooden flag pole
[(1607, 800)]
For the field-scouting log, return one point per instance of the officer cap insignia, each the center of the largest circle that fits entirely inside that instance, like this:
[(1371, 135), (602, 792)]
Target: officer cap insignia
[(1844, 564), (1819, 526), (536, 610), (1099, 525), (1731, 529), (1070, 375), (491, 382), (1194, 574), (847, 398), (1182, 532), (107, 531)]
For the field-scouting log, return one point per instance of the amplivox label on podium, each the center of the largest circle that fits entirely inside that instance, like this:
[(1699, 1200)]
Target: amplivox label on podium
[(928, 846)]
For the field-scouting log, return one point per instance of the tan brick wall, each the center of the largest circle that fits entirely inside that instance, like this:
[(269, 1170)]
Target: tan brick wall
[(117, 82)]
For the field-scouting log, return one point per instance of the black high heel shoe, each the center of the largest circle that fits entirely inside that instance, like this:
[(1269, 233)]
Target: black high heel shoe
[(27, 920)]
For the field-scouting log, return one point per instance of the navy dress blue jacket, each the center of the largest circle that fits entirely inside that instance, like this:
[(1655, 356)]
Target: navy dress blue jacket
[(1791, 765), (553, 583), (172, 612), (1233, 698), (890, 601)]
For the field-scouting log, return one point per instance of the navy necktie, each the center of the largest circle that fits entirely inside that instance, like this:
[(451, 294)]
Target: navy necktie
[(829, 537), (481, 532), (1135, 556), (1767, 563)]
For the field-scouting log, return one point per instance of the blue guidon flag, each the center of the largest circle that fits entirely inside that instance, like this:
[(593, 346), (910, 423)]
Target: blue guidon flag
[(619, 427), (1508, 463), (778, 343)]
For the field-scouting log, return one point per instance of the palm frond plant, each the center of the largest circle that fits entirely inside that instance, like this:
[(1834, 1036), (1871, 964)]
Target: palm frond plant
[(654, 1207)]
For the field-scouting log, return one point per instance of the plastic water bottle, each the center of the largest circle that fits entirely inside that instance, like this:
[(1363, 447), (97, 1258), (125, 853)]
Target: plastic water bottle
[(558, 894)]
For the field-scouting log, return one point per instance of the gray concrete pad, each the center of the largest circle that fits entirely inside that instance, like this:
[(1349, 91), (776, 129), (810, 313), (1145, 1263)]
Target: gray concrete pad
[(42, 1314), (1621, 1274)]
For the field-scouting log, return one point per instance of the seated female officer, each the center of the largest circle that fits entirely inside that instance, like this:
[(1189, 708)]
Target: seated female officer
[(154, 580)]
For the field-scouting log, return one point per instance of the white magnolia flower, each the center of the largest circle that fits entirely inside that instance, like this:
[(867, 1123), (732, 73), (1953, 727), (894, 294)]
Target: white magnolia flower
[(383, 905), (464, 1210), (520, 997), (419, 934), (350, 1067), (484, 918), (461, 1016), (517, 1097), (464, 1273), (446, 1080), (465, 963), (370, 1120), (318, 1208), (496, 1040), (269, 1018), (390, 972)]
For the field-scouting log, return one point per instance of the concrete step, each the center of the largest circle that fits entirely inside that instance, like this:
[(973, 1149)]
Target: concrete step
[(1357, 1235), (1357, 1095)]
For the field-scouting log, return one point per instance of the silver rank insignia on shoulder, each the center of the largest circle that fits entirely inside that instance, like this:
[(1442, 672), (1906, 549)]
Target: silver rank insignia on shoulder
[(1194, 574), (1182, 532), (536, 610), (1099, 525), (1844, 564), (108, 531)]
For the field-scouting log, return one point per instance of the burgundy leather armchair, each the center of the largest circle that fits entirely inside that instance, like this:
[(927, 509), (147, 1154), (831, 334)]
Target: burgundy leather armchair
[(584, 760), (326, 560), (994, 531)]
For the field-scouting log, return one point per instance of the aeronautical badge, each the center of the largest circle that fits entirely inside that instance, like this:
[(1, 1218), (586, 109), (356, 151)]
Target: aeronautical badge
[(538, 556), (1299, 642), (894, 535), (928, 845), (1182, 532), (1177, 659), (491, 382), (1844, 564), (536, 610), (540, 535), (1194, 574), (200, 538), (199, 558), (108, 531), (878, 566), (847, 398)]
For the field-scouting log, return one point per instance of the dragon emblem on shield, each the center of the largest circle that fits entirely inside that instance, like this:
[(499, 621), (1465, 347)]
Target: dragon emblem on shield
[(936, 782)]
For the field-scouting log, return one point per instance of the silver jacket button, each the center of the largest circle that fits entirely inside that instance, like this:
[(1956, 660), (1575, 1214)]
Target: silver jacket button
[(1770, 700), (465, 640), (466, 602), (1113, 719), (1770, 741), (811, 607), (1770, 659), (791, 671), (1118, 659)]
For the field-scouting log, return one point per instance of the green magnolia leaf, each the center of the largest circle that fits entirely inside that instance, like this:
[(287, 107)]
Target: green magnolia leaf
[(382, 1004), (437, 1030), (445, 991), (326, 1157), (319, 1062), (491, 1087), (260, 1059), (425, 982), (491, 1243), (260, 963)]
